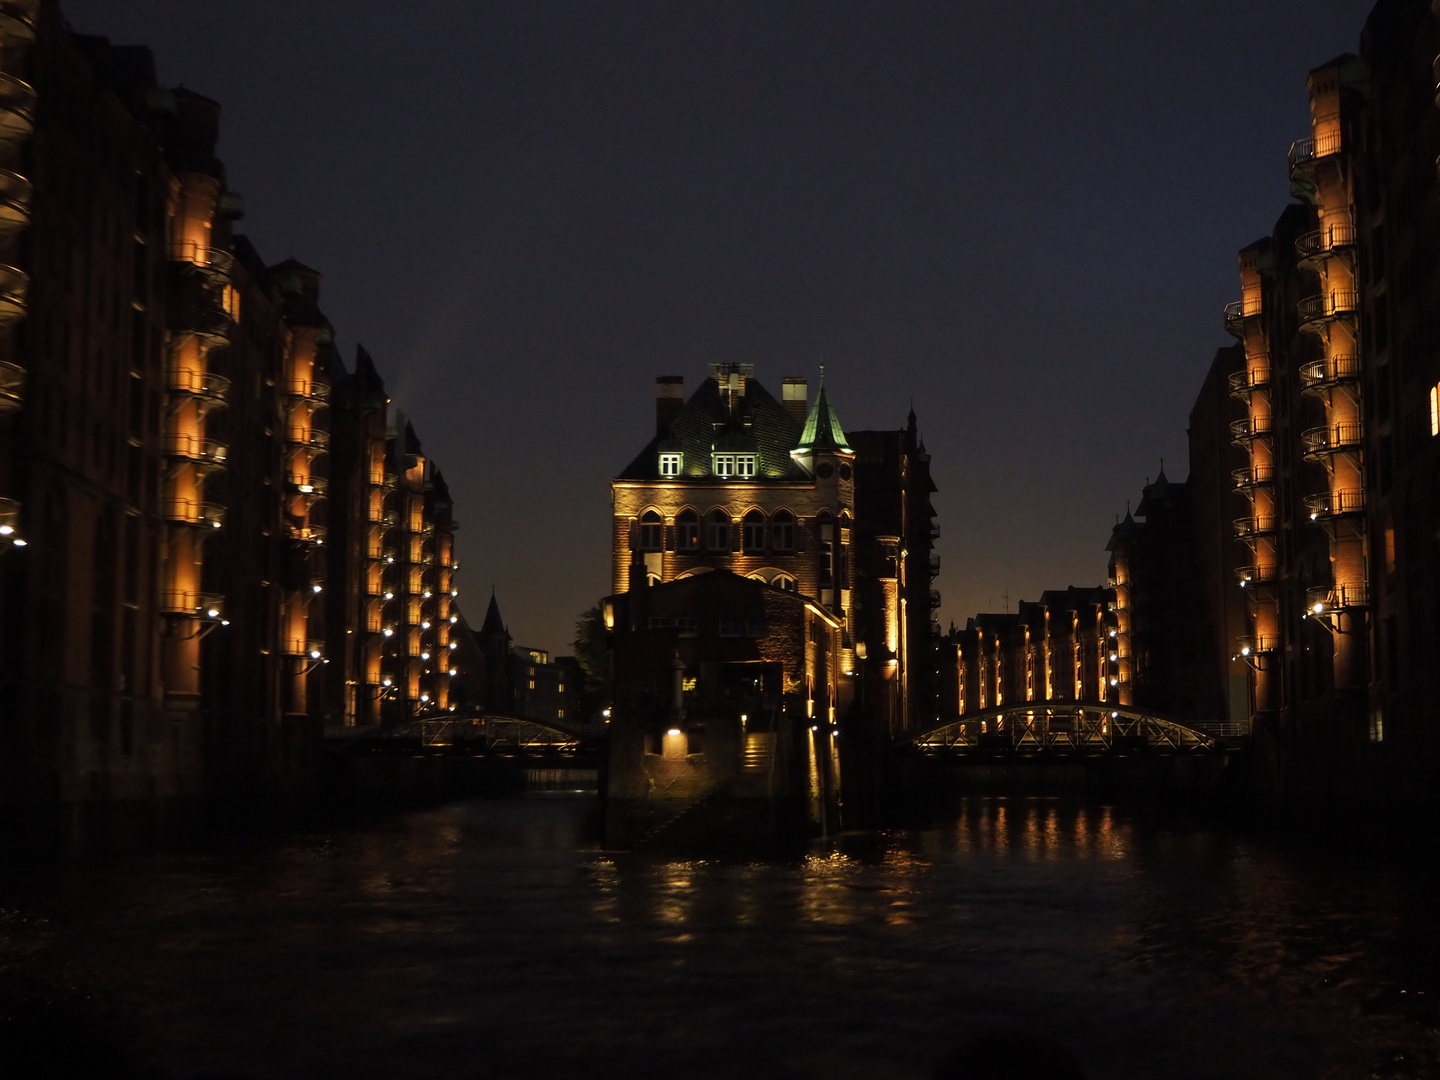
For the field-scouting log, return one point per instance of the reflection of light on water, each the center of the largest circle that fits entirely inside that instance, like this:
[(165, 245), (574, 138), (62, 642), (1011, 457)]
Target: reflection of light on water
[(824, 894), (999, 839), (675, 894), (606, 881)]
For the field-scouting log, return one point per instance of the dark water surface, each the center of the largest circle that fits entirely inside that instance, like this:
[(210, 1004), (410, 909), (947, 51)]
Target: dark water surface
[(495, 939)]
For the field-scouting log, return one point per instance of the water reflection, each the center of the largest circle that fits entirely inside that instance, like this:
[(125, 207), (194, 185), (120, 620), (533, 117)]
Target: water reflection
[(496, 937)]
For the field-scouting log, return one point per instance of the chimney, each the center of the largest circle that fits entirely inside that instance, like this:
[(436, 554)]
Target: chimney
[(669, 400), (794, 394)]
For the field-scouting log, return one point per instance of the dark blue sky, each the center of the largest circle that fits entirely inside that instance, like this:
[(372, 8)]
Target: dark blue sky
[(1022, 216)]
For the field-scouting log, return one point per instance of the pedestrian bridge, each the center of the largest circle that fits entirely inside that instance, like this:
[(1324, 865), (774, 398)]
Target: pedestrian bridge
[(1064, 727), (481, 733)]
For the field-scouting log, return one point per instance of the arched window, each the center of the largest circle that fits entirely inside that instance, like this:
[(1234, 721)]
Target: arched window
[(687, 531), (754, 539), (784, 581), (717, 531), (782, 531), (652, 529)]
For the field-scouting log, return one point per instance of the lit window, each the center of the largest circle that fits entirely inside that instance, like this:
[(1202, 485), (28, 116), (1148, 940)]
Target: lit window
[(1435, 409), (651, 531), (744, 464), (717, 531), (754, 538), (687, 531), (782, 532), (723, 464), (670, 464)]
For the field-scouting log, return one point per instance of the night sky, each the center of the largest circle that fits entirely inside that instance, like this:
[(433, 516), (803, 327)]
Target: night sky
[(1024, 217)]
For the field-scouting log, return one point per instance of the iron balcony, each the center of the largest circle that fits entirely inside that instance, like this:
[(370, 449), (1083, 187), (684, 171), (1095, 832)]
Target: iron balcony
[(1322, 598), (190, 512), (1323, 242), (196, 448), (1235, 316), (308, 485), (308, 388), (1333, 439), (1321, 375), (205, 385), (1257, 643), (1336, 304), (12, 387), (1242, 383), (1254, 525), (1328, 504), (216, 263), (1250, 428), (1254, 477), (17, 111), (1255, 575)]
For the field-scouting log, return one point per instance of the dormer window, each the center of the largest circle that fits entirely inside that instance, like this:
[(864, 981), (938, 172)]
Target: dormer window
[(671, 464), (733, 465)]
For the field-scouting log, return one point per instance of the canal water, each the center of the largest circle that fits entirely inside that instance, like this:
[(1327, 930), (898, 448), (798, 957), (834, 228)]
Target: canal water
[(496, 939)]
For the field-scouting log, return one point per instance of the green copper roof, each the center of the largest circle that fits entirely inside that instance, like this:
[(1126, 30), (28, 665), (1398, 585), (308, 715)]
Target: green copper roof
[(822, 427)]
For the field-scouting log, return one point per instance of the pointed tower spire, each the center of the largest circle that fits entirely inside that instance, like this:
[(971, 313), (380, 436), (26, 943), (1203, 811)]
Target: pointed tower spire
[(822, 427)]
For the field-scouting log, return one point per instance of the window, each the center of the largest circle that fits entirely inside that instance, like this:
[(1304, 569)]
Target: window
[(651, 531), (754, 538), (1435, 409), (782, 531), (723, 464), (732, 627), (687, 531), (717, 531), (784, 581), (670, 464), (745, 465)]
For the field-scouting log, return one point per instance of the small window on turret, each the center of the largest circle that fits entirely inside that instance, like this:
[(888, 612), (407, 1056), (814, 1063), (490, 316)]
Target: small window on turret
[(670, 464)]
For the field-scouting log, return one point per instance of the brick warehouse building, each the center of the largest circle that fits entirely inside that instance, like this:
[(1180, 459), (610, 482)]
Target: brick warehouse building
[(779, 495), (178, 625)]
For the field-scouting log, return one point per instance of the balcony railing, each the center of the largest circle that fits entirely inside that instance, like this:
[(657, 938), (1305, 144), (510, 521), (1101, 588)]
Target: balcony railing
[(14, 290), (1254, 476), (9, 521), (1251, 576), (1336, 304), (17, 22), (1332, 371), (307, 485), (1257, 643), (201, 384), (190, 512), (1323, 598), (196, 604), (196, 448), (1236, 312), (315, 439), (309, 648), (308, 388), (1323, 241), (1305, 151), (1254, 525), (12, 386), (308, 534), (17, 111), (1329, 504), (1243, 382), (1334, 439), (215, 262), (1251, 427), (15, 194)]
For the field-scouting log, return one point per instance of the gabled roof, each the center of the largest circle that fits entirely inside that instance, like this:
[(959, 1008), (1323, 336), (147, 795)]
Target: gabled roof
[(822, 427), (759, 424)]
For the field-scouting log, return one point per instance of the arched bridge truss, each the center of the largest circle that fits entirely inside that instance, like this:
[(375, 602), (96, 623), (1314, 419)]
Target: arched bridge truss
[(1063, 726)]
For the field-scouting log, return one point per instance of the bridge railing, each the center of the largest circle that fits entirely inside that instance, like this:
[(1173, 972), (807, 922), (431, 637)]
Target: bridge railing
[(477, 731), (1062, 726)]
